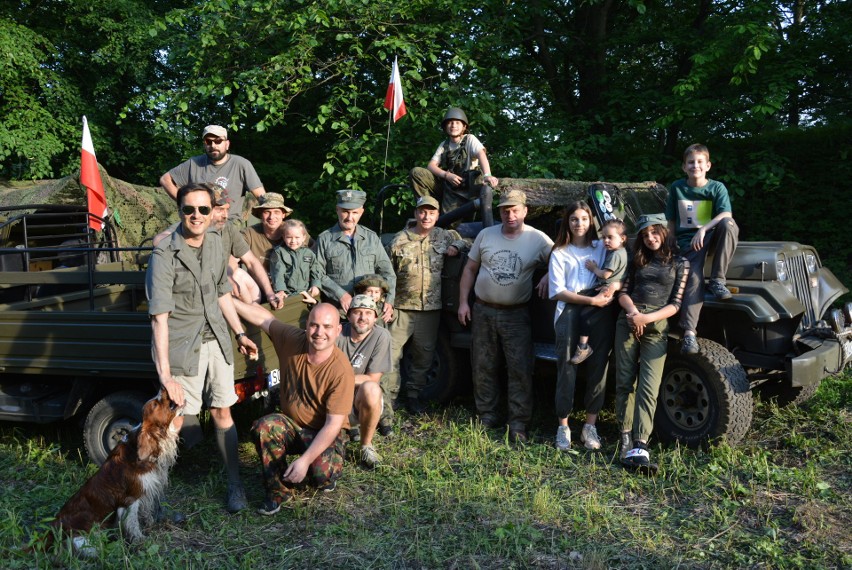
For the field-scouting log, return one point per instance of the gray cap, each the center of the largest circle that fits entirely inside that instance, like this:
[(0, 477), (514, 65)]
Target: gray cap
[(646, 220), (351, 199), (364, 302), (216, 131), (269, 201)]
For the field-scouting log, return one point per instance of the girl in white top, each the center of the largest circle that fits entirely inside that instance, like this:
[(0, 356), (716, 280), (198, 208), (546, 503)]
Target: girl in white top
[(570, 284)]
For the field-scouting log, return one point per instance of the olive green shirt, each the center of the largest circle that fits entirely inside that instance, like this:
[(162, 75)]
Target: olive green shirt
[(343, 261), (177, 284)]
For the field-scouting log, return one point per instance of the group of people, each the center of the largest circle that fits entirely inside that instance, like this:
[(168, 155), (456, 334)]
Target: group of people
[(340, 375)]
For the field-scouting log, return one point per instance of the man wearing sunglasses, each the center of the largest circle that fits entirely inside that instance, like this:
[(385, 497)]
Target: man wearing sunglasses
[(191, 308), (217, 165)]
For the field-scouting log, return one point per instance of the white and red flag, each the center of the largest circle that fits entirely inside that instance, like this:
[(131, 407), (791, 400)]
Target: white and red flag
[(393, 99), (90, 178)]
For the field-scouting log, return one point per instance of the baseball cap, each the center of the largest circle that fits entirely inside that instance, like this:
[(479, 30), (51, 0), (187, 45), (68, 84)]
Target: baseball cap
[(646, 220), (512, 198), (427, 202), (216, 131), (364, 302)]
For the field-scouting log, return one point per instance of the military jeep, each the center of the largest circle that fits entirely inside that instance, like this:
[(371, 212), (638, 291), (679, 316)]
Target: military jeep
[(75, 336), (779, 332)]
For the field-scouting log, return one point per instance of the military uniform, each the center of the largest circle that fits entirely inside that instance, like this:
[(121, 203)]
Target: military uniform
[(343, 260), (418, 262)]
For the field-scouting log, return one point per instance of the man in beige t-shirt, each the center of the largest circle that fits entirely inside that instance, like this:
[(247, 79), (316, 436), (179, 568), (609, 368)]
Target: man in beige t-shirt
[(499, 270)]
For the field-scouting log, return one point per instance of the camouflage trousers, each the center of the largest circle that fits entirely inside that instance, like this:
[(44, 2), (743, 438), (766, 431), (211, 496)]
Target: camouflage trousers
[(499, 334), (276, 436)]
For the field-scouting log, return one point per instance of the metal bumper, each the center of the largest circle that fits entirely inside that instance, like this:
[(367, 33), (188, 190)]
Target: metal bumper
[(829, 358)]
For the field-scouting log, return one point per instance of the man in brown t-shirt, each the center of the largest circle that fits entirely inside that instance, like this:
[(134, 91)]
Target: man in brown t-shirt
[(317, 387)]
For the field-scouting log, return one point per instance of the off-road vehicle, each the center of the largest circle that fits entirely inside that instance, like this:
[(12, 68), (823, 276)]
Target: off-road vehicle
[(779, 332)]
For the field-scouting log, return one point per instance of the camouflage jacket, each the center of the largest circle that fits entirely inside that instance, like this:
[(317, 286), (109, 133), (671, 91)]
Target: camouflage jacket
[(418, 262)]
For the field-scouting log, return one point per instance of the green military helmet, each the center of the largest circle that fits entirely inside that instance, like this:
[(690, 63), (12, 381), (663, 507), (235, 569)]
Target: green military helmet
[(454, 113), (371, 280)]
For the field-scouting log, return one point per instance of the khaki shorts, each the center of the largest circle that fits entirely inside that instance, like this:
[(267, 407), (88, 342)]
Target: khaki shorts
[(214, 384)]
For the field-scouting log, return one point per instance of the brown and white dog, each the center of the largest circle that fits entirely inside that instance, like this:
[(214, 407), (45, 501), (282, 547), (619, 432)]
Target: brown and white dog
[(126, 489)]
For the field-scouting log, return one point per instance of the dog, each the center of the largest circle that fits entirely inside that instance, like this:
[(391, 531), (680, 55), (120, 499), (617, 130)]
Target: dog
[(126, 490)]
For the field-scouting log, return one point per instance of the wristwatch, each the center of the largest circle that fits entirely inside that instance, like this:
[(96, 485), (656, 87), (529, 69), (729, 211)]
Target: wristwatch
[(239, 335)]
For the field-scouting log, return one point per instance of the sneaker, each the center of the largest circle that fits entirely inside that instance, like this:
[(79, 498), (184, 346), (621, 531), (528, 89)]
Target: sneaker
[(689, 344), (165, 514), (385, 428), (624, 444), (236, 498), (355, 434), (581, 354), (269, 507), (719, 290), (639, 460), (589, 437), (369, 457), (329, 487), (563, 438), (518, 436)]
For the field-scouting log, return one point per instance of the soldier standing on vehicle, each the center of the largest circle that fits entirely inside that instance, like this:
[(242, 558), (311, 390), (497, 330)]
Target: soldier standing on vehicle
[(317, 387), (417, 256), (458, 167), (368, 349), (499, 270), (262, 238), (217, 165), (191, 308), (347, 251)]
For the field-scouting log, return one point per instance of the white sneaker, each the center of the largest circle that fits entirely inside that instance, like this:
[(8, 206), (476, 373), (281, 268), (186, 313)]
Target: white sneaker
[(626, 444), (563, 438), (589, 437)]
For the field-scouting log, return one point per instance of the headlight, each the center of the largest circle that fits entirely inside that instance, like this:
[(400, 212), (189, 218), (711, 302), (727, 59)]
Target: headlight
[(835, 320), (811, 262), (781, 269)]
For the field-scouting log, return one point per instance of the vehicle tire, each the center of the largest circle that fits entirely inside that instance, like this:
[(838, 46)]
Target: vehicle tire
[(703, 397), (110, 420), (450, 372)]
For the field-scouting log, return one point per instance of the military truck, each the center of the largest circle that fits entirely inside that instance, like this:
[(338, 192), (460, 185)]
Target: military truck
[(75, 337), (779, 332)]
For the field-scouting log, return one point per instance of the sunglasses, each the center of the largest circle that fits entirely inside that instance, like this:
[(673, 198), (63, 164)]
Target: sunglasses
[(189, 210), (211, 142)]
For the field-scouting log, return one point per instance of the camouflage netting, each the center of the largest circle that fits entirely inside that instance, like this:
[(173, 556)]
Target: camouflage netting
[(143, 211)]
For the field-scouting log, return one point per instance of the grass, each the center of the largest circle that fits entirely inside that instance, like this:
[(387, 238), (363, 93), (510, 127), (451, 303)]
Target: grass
[(452, 495)]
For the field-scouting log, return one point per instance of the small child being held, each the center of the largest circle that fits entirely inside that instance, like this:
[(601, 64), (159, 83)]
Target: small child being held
[(614, 235), (376, 287), (293, 266)]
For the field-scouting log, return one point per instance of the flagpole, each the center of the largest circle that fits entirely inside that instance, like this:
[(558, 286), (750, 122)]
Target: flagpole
[(387, 146)]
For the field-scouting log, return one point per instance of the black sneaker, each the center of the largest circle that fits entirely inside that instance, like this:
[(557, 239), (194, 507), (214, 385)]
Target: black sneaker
[(269, 507), (385, 428), (719, 290), (639, 460), (355, 434), (518, 436), (689, 344), (329, 487), (489, 422), (416, 406)]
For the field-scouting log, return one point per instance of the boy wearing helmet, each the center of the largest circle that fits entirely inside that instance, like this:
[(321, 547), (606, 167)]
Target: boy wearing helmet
[(453, 174)]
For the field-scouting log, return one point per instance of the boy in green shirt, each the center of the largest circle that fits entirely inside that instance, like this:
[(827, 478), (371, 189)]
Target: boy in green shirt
[(699, 214)]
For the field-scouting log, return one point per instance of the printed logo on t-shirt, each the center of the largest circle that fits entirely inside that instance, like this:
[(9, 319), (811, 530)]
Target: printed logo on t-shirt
[(694, 213), (505, 267), (221, 181), (357, 360)]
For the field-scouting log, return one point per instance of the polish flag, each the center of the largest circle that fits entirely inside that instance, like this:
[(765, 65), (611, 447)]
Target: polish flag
[(393, 99), (90, 178)]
